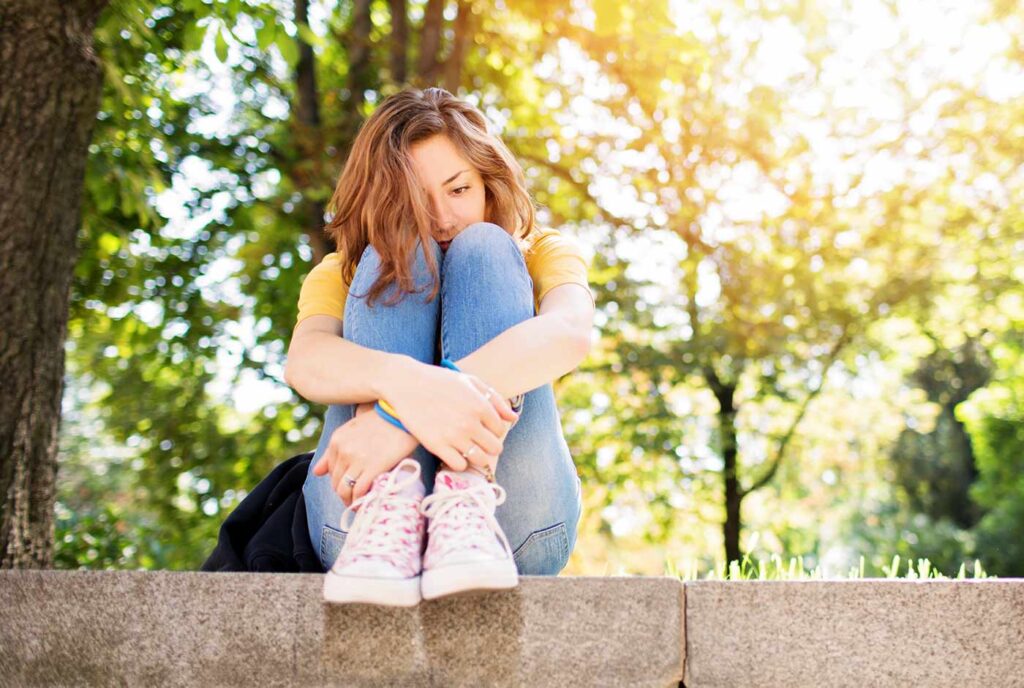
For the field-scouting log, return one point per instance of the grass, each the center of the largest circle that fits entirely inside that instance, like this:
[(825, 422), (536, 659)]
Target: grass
[(774, 568)]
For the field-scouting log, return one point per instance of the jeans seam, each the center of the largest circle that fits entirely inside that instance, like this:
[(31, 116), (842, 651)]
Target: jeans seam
[(544, 534), (323, 541), (444, 319)]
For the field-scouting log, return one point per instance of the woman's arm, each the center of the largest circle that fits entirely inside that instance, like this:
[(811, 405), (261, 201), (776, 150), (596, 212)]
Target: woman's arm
[(327, 369), (539, 350), (444, 411)]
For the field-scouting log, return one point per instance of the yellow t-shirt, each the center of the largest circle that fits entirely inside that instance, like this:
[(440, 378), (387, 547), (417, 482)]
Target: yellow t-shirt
[(553, 259)]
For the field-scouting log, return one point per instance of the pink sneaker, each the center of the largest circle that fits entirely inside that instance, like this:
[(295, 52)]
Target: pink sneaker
[(380, 562), (466, 548)]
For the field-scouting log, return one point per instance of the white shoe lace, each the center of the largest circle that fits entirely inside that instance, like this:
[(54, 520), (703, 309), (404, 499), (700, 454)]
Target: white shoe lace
[(368, 513), (465, 517)]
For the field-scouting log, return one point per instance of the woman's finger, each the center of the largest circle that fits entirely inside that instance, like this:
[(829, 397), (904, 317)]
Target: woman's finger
[(336, 480), (362, 486), (344, 487), (323, 466), (452, 458), (478, 457), (337, 471), (499, 411), (501, 404), (485, 439)]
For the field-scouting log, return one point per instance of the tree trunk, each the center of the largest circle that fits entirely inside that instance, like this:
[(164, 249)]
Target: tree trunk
[(428, 65), (733, 497), (48, 103), (399, 41), (309, 139), (360, 61), (457, 54)]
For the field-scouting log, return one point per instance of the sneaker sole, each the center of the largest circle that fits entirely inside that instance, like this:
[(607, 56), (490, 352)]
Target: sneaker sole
[(449, 580), (397, 592)]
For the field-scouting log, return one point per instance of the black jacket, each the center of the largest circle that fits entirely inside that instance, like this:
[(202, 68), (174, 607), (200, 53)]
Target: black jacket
[(267, 532)]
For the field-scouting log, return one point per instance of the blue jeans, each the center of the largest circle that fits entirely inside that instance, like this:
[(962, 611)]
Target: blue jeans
[(485, 290)]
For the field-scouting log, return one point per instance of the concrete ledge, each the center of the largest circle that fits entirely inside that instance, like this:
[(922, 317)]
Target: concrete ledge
[(164, 628), (855, 633)]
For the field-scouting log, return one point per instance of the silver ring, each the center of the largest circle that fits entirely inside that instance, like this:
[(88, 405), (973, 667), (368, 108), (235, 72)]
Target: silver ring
[(488, 395), (469, 451), (349, 480)]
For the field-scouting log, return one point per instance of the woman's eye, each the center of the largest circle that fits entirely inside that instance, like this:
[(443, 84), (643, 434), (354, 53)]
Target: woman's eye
[(461, 188)]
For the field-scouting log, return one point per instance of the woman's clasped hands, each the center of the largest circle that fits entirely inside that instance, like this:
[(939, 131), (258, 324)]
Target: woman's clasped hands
[(452, 414)]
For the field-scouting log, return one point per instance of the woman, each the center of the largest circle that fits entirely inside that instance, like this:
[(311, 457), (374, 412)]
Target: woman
[(438, 261)]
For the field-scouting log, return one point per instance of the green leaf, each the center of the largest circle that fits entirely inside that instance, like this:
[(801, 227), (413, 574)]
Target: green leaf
[(109, 243), (221, 46), (307, 35), (192, 36), (289, 49), (104, 198), (265, 35)]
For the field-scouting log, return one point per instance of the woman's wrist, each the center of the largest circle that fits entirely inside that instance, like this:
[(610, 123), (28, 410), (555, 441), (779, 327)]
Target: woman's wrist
[(400, 369), (388, 427), (385, 411)]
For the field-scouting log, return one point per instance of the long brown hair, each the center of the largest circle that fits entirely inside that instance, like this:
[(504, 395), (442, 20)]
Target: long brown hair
[(378, 200)]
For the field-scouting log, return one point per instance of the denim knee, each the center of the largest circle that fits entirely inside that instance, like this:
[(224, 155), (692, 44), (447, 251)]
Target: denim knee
[(368, 269), (480, 238)]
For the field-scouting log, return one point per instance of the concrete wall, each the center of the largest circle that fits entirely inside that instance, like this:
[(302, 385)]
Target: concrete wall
[(855, 633), (218, 629), (197, 629)]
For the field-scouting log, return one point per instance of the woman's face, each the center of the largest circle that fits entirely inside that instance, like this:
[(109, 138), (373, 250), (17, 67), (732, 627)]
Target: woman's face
[(455, 188)]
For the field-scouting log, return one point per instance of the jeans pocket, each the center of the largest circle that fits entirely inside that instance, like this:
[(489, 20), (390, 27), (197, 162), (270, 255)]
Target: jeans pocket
[(544, 553), (331, 542)]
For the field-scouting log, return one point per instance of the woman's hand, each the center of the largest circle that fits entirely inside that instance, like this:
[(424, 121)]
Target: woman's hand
[(450, 413), (363, 447)]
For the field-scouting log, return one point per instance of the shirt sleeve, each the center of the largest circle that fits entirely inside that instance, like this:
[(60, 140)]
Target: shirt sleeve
[(323, 292), (557, 259)]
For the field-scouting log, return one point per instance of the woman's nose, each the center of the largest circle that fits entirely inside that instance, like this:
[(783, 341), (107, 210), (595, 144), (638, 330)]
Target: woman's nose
[(445, 218)]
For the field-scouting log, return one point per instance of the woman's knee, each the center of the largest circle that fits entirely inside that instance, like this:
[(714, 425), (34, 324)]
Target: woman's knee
[(480, 239), (369, 266), (405, 324)]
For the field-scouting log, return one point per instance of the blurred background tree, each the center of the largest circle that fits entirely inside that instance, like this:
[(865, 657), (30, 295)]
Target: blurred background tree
[(806, 238)]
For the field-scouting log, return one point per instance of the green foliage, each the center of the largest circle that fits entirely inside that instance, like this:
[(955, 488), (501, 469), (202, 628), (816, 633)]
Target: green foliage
[(149, 328), (997, 427), (754, 330), (775, 569), (172, 314)]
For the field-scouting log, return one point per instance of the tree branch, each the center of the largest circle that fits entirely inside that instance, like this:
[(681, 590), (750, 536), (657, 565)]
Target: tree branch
[(780, 451), (566, 176)]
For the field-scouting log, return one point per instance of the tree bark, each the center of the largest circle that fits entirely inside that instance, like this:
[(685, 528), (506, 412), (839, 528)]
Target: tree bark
[(399, 41), (50, 96), (428, 65), (725, 394), (456, 56), (309, 140), (359, 60)]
